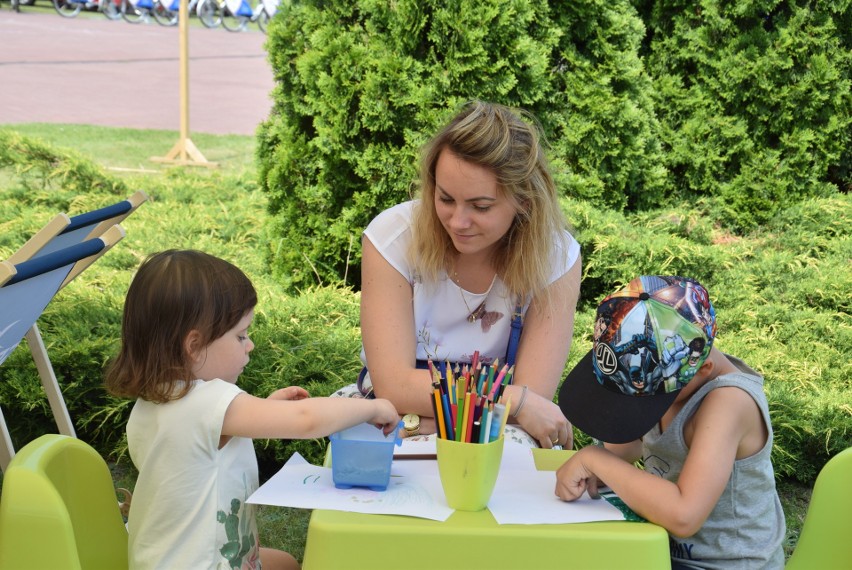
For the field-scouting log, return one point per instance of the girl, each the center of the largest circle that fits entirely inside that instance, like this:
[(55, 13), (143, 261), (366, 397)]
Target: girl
[(184, 344)]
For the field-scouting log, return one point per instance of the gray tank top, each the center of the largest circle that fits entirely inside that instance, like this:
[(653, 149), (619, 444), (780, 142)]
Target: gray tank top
[(746, 528)]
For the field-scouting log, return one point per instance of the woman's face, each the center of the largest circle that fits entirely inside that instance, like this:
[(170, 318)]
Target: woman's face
[(469, 204)]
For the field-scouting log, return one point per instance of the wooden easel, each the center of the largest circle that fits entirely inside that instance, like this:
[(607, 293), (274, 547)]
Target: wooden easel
[(184, 152)]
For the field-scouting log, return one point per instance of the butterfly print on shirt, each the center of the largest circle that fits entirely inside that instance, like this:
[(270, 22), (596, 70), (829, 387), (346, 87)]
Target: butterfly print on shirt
[(488, 318)]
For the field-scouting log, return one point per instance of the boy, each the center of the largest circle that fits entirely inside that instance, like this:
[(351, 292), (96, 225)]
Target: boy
[(654, 387)]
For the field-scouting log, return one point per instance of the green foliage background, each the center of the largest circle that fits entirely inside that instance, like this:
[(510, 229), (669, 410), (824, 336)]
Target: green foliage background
[(747, 105), (781, 293)]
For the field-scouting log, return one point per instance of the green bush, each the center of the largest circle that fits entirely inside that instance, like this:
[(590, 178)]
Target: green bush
[(781, 293), (361, 85), (745, 106), (599, 115), (755, 99)]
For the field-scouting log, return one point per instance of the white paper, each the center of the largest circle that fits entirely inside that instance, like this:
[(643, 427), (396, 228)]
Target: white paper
[(522, 494), (302, 485), (524, 497), (517, 457)]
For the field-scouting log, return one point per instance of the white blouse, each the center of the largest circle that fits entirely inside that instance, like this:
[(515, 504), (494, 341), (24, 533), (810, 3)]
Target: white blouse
[(441, 309)]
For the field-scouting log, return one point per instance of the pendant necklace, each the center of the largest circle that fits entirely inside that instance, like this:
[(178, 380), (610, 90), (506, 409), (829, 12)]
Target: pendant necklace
[(472, 315)]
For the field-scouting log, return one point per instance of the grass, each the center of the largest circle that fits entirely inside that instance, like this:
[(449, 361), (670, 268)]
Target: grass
[(221, 210)]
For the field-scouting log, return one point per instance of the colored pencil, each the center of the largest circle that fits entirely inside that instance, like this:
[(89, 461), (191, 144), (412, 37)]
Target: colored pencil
[(498, 381), (491, 370), (439, 417), (470, 417), (505, 417), (447, 416)]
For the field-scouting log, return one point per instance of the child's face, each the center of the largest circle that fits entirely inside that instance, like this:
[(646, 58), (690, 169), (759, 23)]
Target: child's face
[(225, 357)]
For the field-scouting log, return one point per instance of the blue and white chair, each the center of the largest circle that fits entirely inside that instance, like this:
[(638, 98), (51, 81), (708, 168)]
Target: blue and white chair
[(63, 231), (26, 288)]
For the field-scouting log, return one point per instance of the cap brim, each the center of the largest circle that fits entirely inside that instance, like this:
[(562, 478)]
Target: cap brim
[(605, 414)]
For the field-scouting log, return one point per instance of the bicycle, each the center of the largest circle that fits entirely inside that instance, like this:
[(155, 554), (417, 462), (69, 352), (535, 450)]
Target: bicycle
[(135, 11), (210, 12), (171, 12), (236, 14), (70, 8)]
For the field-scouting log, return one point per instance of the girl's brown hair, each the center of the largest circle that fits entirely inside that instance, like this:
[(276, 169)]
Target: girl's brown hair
[(173, 293), (500, 139)]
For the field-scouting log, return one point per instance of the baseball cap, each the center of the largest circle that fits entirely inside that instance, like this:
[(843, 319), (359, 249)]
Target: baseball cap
[(650, 339)]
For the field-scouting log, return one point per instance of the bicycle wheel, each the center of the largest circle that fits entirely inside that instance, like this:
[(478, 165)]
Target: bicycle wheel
[(235, 15), (164, 14), (133, 12), (210, 13), (67, 8), (263, 19), (110, 8)]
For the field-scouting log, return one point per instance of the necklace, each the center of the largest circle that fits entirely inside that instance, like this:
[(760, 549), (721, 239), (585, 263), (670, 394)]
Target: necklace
[(472, 315)]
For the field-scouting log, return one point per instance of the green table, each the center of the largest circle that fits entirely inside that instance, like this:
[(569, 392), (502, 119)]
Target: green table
[(474, 540)]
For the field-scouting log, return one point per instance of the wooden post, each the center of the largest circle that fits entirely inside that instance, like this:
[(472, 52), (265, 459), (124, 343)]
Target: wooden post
[(184, 152)]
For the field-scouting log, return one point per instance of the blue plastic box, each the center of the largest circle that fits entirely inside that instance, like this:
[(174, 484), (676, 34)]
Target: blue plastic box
[(361, 456)]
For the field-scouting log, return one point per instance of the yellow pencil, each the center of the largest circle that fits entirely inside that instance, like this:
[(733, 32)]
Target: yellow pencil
[(505, 417), (465, 415)]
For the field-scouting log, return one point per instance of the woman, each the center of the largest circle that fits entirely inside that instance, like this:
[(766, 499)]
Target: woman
[(442, 276)]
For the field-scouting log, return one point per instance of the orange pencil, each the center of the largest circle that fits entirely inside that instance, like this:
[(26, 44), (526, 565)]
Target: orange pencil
[(442, 429), (471, 412)]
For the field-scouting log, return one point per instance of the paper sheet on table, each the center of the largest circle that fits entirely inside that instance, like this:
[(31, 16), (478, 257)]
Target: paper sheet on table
[(302, 485), (523, 497)]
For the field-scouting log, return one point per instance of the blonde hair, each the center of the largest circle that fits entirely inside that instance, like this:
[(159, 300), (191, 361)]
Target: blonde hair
[(497, 138), (173, 293)]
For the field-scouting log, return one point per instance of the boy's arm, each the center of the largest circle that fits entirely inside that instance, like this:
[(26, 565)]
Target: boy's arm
[(725, 418), (630, 452)]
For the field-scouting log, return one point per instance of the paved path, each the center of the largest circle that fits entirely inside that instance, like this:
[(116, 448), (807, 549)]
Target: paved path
[(111, 73)]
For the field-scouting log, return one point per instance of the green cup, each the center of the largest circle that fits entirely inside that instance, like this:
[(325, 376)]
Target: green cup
[(468, 472)]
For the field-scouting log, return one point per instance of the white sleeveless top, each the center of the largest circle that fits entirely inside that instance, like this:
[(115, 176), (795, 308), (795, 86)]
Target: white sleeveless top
[(441, 309)]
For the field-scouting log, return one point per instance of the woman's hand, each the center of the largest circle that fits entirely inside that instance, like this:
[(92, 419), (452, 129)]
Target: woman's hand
[(544, 421), (289, 393), (428, 425)]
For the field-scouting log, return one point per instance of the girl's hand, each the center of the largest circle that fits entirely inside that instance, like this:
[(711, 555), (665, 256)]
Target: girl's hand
[(289, 393), (543, 420), (385, 416), (575, 477)]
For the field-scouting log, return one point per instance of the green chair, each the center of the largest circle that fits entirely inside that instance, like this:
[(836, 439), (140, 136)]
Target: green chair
[(59, 510), (824, 542)]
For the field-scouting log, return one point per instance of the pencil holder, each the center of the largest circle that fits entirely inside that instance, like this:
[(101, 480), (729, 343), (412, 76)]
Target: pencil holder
[(468, 471), (361, 456)]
